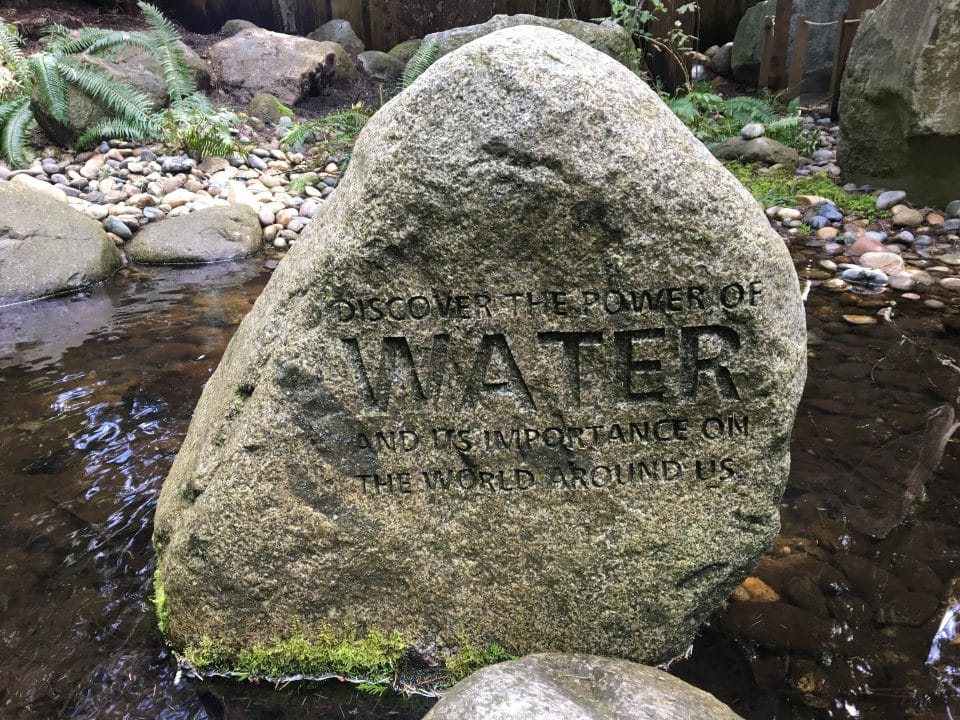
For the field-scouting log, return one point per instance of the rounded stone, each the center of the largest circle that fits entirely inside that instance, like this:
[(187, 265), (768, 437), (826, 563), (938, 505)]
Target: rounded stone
[(48, 248), (576, 687), (908, 217), (397, 442), (209, 235), (752, 131), (888, 199)]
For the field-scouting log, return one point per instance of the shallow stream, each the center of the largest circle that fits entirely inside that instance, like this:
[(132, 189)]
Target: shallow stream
[(96, 392)]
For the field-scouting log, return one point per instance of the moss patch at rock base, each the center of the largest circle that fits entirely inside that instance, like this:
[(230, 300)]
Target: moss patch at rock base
[(374, 657)]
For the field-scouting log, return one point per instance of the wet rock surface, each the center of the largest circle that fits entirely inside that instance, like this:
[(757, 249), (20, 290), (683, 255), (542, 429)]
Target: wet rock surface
[(211, 235), (575, 687), (899, 100), (47, 248)]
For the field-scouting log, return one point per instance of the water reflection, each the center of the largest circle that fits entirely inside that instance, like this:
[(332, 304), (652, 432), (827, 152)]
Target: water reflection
[(97, 392)]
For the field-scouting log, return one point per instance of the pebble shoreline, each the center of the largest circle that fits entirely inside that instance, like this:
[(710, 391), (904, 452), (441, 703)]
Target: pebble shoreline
[(125, 186), (915, 251)]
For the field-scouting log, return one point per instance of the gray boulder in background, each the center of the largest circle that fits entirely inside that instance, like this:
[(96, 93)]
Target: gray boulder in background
[(576, 687), (255, 61), (380, 65), (756, 150), (340, 32), (609, 38), (900, 101)]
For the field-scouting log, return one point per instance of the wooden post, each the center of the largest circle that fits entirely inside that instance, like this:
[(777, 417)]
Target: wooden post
[(799, 59), (349, 10), (849, 24), (777, 78), (766, 42)]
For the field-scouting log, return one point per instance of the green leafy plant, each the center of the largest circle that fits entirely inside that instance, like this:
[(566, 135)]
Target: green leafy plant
[(638, 18), (713, 118), (195, 125), (422, 59), (332, 133), (41, 84)]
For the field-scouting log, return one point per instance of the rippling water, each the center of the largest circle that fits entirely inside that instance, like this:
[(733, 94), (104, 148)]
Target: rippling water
[(97, 392)]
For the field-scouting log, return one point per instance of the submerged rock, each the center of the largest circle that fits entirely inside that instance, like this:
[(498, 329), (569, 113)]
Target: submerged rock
[(213, 234), (576, 687), (48, 248), (517, 384)]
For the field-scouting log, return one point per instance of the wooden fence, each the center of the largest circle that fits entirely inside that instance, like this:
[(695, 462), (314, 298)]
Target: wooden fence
[(777, 36), (383, 23)]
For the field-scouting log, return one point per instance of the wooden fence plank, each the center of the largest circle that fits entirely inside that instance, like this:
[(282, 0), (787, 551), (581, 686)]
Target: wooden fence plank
[(766, 52), (798, 59), (350, 10), (850, 23), (777, 78)]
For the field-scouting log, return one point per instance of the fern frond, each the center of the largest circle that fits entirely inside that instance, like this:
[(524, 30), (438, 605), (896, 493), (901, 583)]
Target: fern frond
[(50, 84), (157, 21), (298, 134), (10, 42), (110, 40), (784, 124), (194, 103), (423, 58), (168, 52), (683, 108), (13, 138), (129, 104), (113, 128), (745, 109), (8, 108)]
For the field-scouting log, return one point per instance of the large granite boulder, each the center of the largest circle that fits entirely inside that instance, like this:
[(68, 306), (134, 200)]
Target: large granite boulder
[(576, 687), (225, 232), (528, 379), (47, 247), (900, 100), (255, 61), (821, 41), (609, 38)]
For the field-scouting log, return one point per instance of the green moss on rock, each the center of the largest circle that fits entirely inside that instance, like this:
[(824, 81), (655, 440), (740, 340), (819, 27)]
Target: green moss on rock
[(268, 108), (371, 657), (470, 658), (160, 604)]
